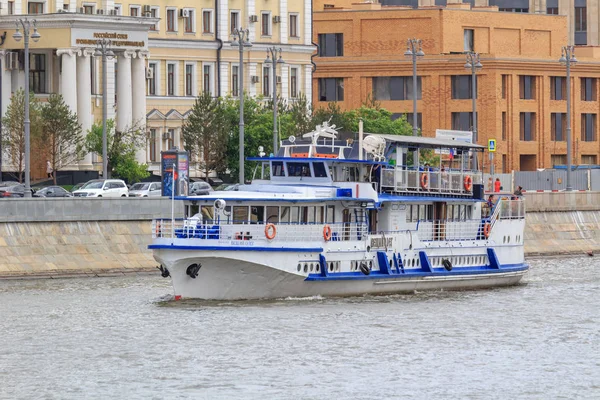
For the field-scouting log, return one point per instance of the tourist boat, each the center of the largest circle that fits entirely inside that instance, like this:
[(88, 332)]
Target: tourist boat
[(328, 217)]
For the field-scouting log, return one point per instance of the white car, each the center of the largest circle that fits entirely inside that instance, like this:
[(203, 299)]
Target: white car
[(145, 189), (103, 188)]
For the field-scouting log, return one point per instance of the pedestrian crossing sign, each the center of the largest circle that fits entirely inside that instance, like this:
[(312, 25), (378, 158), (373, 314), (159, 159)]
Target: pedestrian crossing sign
[(492, 145)]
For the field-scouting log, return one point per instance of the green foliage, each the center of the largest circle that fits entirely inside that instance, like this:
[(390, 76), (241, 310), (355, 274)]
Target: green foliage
[(128, 169), (61, 133)]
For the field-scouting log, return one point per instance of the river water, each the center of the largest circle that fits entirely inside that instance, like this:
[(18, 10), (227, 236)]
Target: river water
[(121, 338)]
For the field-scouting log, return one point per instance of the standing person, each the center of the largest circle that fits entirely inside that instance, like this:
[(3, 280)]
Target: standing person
[(444, 175), (49, 169), (519, 191), (497, 185), (490, 184)]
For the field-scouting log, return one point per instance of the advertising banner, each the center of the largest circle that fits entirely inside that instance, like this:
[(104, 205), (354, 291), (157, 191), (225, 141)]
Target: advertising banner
[(168, 172), (183, 178)]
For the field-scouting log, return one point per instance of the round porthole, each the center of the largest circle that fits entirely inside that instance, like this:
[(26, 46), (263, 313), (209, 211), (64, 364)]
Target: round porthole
[(299, 267), (305, 268), (311, 267)]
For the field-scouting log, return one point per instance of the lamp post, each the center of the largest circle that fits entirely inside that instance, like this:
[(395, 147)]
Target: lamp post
[(414, 50), (103, 50), (568, 57), (272, 53), (474, 64), (240, 39), (35, 36)]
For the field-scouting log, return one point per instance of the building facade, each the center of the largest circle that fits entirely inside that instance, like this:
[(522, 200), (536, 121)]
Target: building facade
[(167, 53), (521, 89)]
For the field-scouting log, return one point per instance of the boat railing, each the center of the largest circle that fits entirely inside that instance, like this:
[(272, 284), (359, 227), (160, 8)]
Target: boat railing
[(397, 179), (511, 209), (447, 230), (285, 232)]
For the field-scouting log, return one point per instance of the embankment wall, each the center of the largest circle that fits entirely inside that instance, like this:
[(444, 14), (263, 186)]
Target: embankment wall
[(100, 237)]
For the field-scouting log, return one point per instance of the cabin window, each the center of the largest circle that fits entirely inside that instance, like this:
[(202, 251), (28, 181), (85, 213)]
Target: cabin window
[(308, 215), (257, 214), (208, 214), (266, 171), (278, 168), (319, 169), (298, 169), (272, 214), (285, 215), (320, 215), (240, 214), (192, 210), (294, 214), (228, 214), (330, 215)]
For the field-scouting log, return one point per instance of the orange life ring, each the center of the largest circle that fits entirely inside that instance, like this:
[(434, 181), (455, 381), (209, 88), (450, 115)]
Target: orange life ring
[(270, 231), (486, 229), (327, 233), (424, 180), (468, 182)]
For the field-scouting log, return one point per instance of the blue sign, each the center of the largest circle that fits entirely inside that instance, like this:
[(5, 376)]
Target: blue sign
[(492, 145)]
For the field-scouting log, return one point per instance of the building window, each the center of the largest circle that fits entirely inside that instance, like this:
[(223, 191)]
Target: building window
[(171, 138), (504, 164), (552, 10), (117, 9), (409, 118), (207, 21), (580, 19), (37, 73), (234, 20), (527, 123), (558, 159), (170, 79), (134, 11), (265, 24), (503, 125), (462, 87), (152, 139), (88, 9), (207, 78), (527, 87), (558, 127), (93, 76), (171, 20), (588, 127), (469, 40), (189, 80), (331, 45), (395, 88), (11, 7), (152, 79), (331, 89), (558, 86), (590, 159), (293, 82), (294, 25), (35, 8), (154, 14), (266, 81), (462, 121), (235, 80), (588, 89), (515, 10), (504, 85)]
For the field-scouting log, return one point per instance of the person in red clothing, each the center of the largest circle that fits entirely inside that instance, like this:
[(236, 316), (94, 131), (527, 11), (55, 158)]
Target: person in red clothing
[(497, 185)]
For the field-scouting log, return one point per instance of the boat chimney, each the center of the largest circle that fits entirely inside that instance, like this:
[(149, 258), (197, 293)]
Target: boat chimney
[(360, 139)]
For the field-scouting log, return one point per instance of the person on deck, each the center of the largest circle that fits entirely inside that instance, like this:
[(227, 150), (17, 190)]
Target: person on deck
[(519, 191), (497, 185)]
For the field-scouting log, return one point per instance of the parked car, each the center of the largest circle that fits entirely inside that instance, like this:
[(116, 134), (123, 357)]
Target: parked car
[(228, 186), (78, 186), (145, 189), (12, 190), (200, 189), (53, 191), (103, 188)]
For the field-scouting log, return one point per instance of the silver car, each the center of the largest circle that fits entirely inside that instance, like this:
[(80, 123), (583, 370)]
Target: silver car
[(145, 189)]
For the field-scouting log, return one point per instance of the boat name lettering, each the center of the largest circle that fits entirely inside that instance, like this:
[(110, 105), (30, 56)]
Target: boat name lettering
[(242, 243), (379, 242)]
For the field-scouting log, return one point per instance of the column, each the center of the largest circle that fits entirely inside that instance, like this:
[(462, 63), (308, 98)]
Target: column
[(84, 99), (224, 79), (283, 25), (250, 10), (138, 73), (307, 23), (251, 87), (124, 91), (307, 82), (6, 83), (68, 85), (224, 33), (285, 86)]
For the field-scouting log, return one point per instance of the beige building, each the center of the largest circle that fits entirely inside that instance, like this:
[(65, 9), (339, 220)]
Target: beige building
[(167, 52)]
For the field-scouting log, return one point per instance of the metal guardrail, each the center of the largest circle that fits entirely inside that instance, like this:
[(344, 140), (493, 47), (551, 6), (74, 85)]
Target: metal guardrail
[(191, 229), (449, 230), (454, 182)]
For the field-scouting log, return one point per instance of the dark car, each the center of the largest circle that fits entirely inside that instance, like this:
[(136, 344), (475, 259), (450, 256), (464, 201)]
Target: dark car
[(16, 190), (53, 191), (200, 189)]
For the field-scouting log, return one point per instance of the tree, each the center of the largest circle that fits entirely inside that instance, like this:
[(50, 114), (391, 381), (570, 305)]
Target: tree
[(14, 128), (61, 134), (121, 148), (205, 133)]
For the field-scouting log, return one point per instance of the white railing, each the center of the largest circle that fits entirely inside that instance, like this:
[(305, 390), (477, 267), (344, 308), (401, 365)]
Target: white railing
[(511, 209), (400, 180), (191, 229), (449, 230)]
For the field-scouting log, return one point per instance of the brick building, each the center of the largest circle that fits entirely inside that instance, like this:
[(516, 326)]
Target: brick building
[(521, 90)]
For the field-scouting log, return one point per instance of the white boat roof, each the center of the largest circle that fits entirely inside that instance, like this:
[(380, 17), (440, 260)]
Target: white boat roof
[(427, 142)]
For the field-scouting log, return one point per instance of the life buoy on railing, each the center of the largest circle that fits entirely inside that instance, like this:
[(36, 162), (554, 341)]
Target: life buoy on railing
[(424, 180), (468, 182), (327, 233), (486, 229), (270, 231)]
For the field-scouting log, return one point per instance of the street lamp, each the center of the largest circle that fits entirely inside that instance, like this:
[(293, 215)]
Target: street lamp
[(568, 57), (414, 50), (474, 64), (103, 50), (35, 36), (272, 53), (240, 40)]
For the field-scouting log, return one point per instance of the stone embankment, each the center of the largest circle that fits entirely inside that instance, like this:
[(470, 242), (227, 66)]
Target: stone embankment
[(101, 237)]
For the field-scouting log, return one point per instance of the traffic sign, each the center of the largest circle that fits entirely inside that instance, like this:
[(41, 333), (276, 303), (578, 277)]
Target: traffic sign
[(492, 145)]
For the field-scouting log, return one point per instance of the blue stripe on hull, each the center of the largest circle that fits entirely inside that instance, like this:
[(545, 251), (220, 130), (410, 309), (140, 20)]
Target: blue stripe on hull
[(419, 273), (237, 248)]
